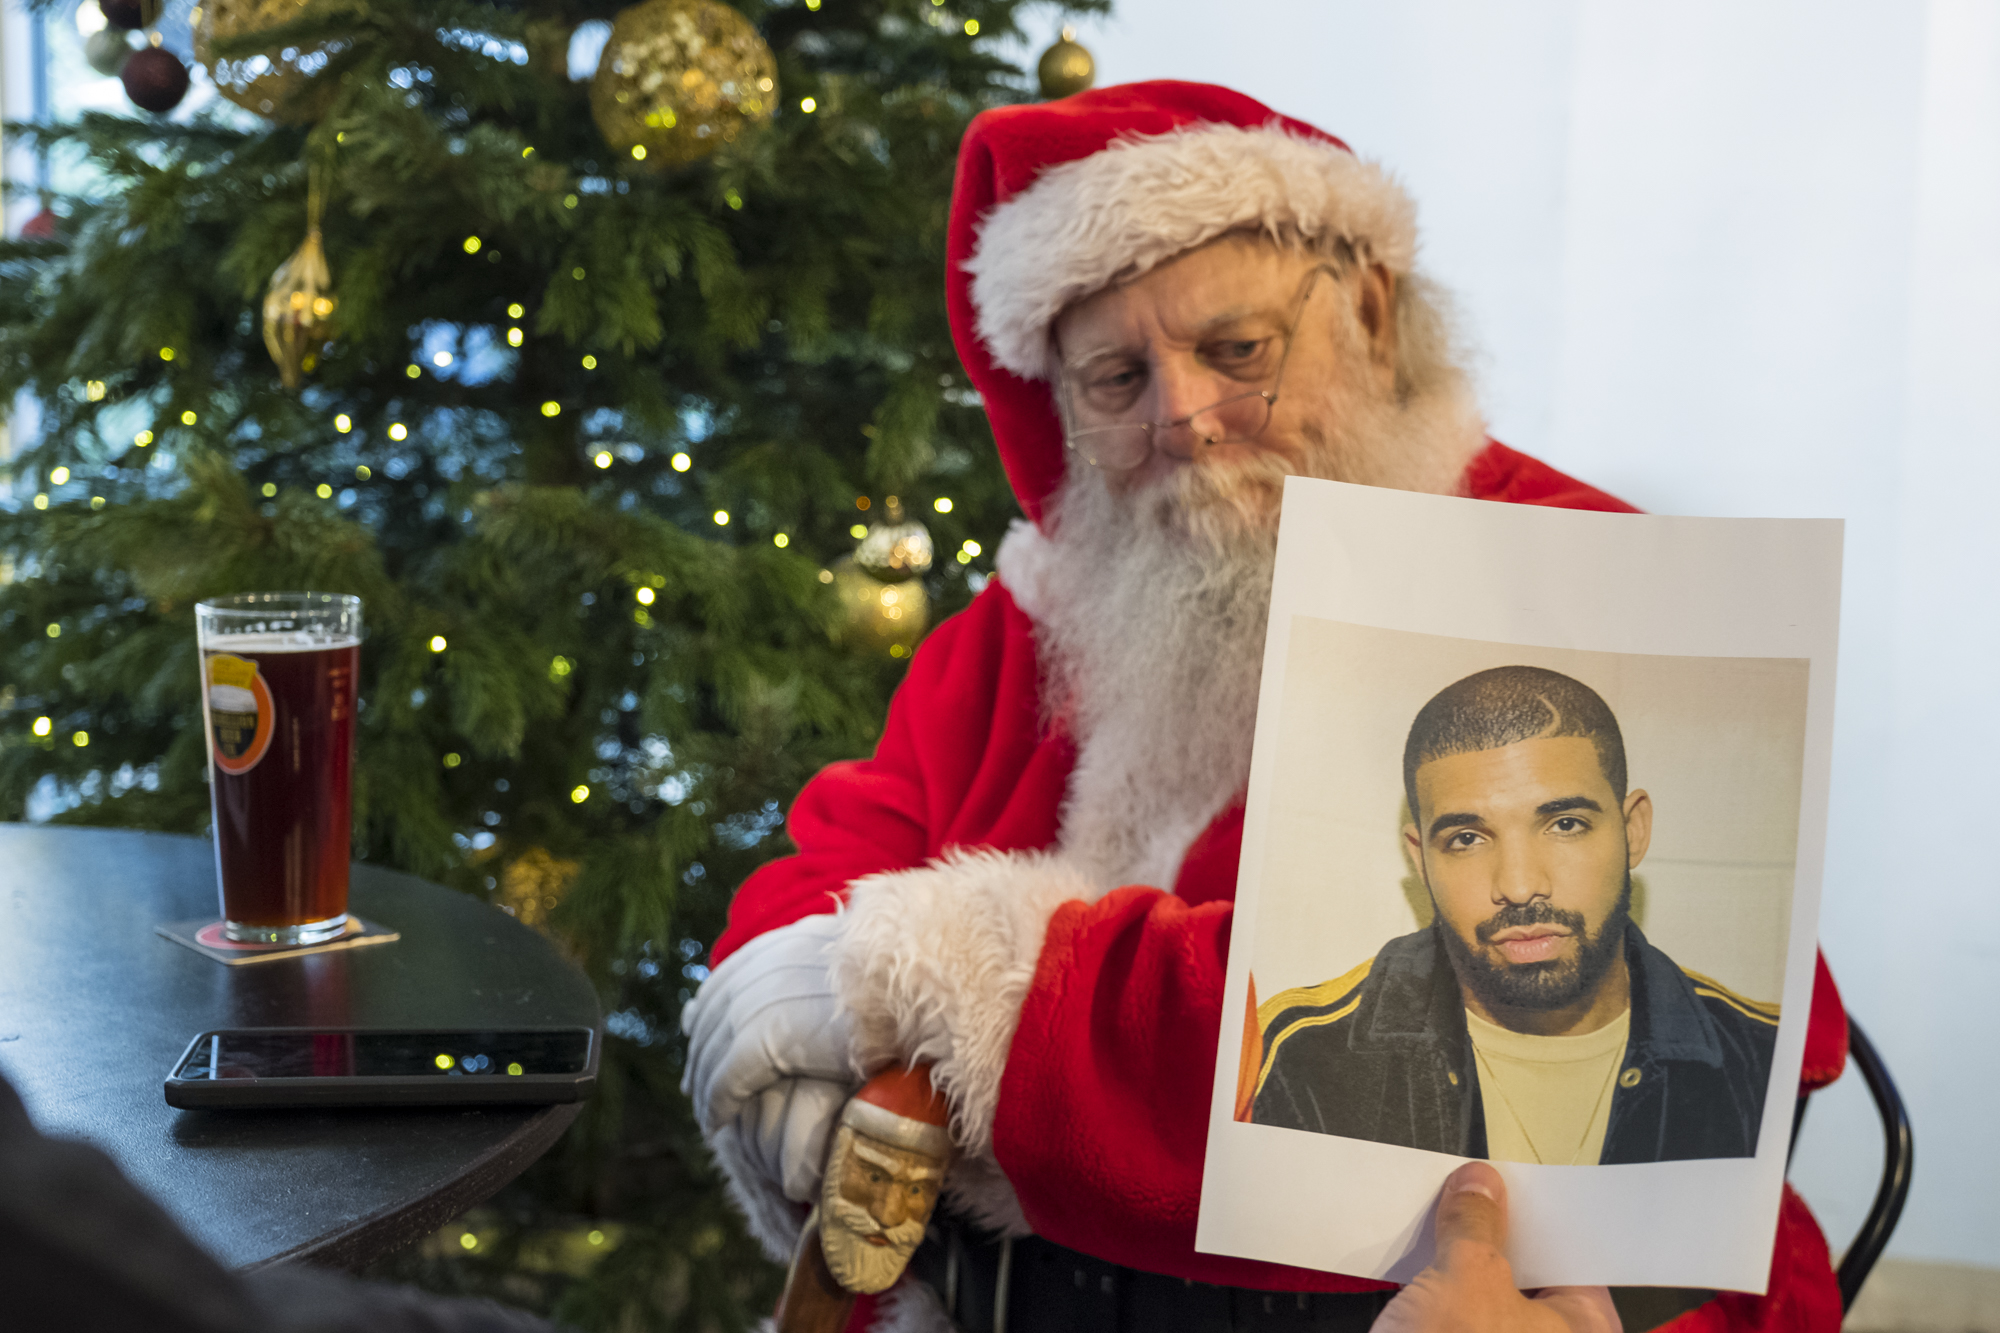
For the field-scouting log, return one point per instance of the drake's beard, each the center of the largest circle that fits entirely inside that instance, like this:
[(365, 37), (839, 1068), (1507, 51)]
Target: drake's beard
[(1152, 632), (1538, 987)]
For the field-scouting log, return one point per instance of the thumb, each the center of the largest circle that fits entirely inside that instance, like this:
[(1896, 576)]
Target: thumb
[(1472, 1208)]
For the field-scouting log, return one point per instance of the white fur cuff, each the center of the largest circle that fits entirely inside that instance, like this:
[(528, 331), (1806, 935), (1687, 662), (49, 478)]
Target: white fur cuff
[(934, 965)]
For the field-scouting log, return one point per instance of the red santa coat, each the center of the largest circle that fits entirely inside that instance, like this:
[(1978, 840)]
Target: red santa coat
[(1102, 1115)]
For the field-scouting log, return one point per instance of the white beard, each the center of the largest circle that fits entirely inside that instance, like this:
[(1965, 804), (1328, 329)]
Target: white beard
[(1151, 610)]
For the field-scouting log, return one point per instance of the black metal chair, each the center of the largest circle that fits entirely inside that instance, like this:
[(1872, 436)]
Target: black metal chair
[(1898, 1154)]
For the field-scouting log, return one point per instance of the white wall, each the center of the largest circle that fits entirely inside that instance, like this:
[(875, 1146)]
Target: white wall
[(1728, 258)]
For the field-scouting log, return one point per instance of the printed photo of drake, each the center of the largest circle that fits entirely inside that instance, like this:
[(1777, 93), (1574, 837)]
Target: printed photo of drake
[(1529, 1017)]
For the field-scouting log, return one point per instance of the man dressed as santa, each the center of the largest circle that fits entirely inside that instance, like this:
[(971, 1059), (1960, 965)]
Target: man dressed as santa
[(1170, 298)]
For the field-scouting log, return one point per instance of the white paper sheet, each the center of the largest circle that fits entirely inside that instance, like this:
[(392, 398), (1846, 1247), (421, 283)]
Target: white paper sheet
[(1725, 696)]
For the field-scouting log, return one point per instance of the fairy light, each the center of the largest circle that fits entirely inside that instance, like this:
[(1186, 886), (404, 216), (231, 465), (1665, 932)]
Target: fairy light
[(681, 462), (602, 458), (398, 431)]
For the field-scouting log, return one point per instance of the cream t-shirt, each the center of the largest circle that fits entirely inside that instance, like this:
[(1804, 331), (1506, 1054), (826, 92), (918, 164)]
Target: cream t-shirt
[(1548, 1099)]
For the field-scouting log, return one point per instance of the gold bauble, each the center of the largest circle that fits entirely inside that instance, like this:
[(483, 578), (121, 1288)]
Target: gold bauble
[(279, 82), (882, 617), (534, 883), (298, 310), (895, 549), (1065, 68), (679, 79)]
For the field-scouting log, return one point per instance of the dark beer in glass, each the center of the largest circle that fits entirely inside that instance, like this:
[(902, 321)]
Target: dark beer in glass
[(278, 697)]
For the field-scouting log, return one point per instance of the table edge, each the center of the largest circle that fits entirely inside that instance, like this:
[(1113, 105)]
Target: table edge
[(368, 1238)]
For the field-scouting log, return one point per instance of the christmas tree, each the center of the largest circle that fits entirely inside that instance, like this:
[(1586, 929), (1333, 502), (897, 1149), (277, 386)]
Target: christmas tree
[(591, 411)]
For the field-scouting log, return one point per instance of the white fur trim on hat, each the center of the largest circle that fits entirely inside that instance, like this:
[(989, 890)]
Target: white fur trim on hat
[(1140, 201), (933, 965)]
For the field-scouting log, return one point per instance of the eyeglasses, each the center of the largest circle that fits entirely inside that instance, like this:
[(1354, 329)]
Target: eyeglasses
[(1122, 446)]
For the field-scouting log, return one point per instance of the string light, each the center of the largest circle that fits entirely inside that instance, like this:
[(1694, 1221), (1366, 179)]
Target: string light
[(681, 462), (362, 473), (590, 363), (343, 423), (143, 438), (270, 488), (513, 337), (440, 359), (808, 105), (577, 273), (413, 370), (472, 245), (516, 310), (166, 354), (58, 476), (602, 458), (579, 793), (721, 518), (438, 643), (97, 502), (42, 726), (188, 418), (858, 531), (324, 491), (452, 760), (94, 391), (41, 502), (972, 27), (638, 152), (398, 431), (780, 540), (942, 504), (645, 596), (53, 630), (552, 408), (79, 739)]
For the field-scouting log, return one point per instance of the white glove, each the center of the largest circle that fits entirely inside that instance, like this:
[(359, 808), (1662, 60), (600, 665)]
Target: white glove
[(769, 1053), (783, 1131)]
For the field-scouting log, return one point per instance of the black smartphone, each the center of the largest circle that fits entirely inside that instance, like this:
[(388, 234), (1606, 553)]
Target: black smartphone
[(261, 1067)]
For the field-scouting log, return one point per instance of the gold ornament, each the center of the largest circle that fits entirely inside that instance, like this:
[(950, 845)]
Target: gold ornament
[(299, 304), (534, 883), (881, 585), (278, 83), (679, 79), (1065, 68)]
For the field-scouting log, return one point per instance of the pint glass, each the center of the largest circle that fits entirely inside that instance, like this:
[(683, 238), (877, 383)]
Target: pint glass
[(278, 692)]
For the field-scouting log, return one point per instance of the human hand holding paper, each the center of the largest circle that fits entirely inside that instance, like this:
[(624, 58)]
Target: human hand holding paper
[(1469, 1287)]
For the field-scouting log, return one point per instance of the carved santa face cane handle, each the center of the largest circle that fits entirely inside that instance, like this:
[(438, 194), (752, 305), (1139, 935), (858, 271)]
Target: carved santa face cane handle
[(883, 1170)]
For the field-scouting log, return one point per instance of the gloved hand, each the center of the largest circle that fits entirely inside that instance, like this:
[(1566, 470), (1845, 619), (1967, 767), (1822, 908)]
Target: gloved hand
[(768, 1053)]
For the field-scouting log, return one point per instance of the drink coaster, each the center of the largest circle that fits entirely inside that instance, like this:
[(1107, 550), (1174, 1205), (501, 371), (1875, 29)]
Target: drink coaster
[(205, 937)]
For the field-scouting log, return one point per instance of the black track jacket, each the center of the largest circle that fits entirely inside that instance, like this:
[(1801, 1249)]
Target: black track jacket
[(1382, 1054)]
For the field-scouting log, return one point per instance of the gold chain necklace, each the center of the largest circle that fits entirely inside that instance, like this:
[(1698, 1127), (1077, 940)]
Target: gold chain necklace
[(1493, 1077)]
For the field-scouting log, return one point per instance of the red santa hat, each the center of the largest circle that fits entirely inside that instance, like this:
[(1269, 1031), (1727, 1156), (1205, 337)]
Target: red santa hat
[(900, 1107), (1057, 200)]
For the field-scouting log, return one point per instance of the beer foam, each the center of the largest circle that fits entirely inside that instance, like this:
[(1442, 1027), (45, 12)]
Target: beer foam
[(285, 641)]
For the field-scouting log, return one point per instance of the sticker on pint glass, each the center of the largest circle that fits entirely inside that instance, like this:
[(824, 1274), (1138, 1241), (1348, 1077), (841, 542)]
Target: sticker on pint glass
[(239, 712)]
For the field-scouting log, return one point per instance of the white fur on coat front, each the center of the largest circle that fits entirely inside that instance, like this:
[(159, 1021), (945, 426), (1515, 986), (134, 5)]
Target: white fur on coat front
[(1140, 201), (933, 966)]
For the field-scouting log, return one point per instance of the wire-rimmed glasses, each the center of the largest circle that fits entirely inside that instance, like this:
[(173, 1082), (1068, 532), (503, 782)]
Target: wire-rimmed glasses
[(1122, 446)]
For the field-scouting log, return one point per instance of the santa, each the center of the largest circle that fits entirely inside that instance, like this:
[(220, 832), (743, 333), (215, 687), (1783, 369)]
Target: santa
[(1170, 298)]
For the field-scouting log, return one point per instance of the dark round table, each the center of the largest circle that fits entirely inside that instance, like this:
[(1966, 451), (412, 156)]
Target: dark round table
[(94, 1008)]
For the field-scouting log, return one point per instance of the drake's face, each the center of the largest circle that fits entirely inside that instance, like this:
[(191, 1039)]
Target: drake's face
[(1528, 853)]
